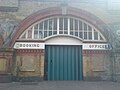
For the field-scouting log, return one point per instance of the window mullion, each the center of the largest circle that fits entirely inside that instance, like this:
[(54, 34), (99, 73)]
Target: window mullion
[(58, 26), (33, 32), (38, 31), (48, 28), (92, 33), (52, 26), (73, 27), (87, 33), (98, 36), (68, 26), (78, 28), (26, 34), (83, 29), (63, 25)]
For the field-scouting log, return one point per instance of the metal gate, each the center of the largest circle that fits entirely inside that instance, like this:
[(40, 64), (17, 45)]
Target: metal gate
[(63, 62)]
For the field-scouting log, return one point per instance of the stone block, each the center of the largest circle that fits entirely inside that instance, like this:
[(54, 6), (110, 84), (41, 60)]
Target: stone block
[(116, 77), (5, 78), (8, 5)]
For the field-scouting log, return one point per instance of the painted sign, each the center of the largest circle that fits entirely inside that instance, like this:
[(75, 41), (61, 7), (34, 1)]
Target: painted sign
[(29, 45), (35, 45), (97, 46)]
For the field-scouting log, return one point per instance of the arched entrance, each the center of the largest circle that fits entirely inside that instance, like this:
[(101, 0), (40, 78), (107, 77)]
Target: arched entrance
[(56, 11), (63, 62), (63, 58), (52, 45)]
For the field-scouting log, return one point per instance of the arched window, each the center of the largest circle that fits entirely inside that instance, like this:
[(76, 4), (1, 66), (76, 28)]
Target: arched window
[(62, 25)]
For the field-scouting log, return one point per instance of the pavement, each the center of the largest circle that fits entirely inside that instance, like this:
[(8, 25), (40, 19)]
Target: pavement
[(61, 85)]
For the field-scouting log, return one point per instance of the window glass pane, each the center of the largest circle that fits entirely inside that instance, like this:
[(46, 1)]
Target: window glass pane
[(89, 28), (41, 26), (65, 32), (76, 33), (61, 24), (40, 34), (65, 23), (90, 35), (95, 35), (50, 33), (80, 25), (45, 34), (55, 24), (71, 24), (71, 33), (81, 34), (101, 37), (36, 34), (45, 24), (36, 26), (23, 36), (30, 33), (60, 32), (55, 32), (50, 24), (76, 25), (85, 27), (36, 31), (85, 35)]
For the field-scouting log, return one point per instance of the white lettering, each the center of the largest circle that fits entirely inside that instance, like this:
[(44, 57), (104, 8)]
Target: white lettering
[(97, 46), (32, 45), (27, 45)]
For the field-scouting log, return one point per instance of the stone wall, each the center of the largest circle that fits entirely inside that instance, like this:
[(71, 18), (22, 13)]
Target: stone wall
[(12, 12), (9, 19), (97, 65)]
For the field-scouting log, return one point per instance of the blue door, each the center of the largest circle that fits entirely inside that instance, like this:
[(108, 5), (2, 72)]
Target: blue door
[(63, 62)]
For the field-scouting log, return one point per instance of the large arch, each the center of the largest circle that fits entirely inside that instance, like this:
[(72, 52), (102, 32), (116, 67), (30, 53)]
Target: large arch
[(53, 11)]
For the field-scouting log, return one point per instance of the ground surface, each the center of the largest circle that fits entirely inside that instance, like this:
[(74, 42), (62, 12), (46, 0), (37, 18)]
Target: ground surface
[(61, 85)]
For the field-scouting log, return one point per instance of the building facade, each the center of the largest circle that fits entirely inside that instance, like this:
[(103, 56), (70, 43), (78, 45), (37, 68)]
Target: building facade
[(59, 40)]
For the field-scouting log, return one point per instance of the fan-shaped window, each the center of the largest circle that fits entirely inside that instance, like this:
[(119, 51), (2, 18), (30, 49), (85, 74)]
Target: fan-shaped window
[(63, 26)]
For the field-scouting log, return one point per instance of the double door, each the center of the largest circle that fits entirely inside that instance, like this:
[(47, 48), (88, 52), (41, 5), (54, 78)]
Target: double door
[(63, 62)]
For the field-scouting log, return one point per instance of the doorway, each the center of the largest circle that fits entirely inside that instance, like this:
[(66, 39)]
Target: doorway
[(63, 62)]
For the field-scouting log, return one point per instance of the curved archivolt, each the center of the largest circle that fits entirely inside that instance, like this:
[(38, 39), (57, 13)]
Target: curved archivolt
[(62, 25)]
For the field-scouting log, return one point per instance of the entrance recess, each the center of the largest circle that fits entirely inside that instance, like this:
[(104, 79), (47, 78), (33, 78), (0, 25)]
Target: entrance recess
[(63, 62)]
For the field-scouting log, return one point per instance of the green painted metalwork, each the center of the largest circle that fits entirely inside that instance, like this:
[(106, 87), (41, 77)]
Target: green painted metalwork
[(63, 62)]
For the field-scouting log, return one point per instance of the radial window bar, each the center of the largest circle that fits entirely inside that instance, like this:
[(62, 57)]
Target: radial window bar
[(63, 26)]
